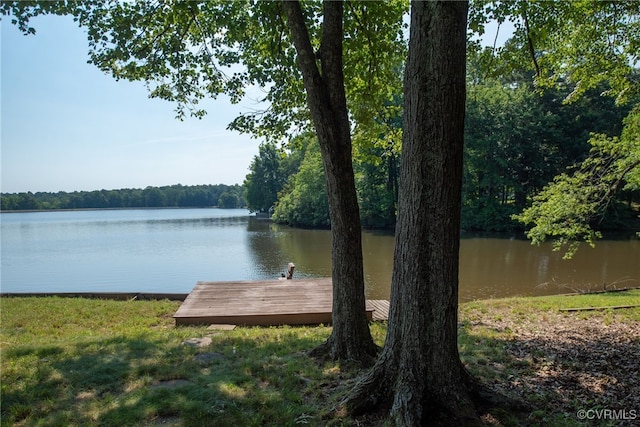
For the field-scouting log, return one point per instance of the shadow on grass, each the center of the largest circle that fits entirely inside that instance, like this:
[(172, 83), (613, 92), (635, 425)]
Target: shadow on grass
[(567, 374), (262, 376), (254, 380)]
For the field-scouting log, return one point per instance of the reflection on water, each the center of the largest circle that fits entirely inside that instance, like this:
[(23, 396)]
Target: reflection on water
[(169, 250), (489, 266), (496, 267), (273, 246)]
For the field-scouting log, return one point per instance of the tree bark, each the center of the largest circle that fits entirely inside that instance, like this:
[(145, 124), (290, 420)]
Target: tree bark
[(419, 375), (350, 338)]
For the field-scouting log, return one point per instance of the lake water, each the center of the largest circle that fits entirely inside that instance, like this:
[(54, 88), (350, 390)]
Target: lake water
[(169, 250)]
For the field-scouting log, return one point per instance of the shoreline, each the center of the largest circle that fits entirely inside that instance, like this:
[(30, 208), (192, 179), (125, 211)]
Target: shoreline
[(180, 296), (145, 208), (117, 296)]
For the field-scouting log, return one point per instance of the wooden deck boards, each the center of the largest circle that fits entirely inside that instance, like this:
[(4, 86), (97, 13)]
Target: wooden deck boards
[(380, 309), (271, 302)]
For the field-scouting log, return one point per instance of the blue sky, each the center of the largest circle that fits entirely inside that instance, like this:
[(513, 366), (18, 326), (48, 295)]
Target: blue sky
[(66, 126)]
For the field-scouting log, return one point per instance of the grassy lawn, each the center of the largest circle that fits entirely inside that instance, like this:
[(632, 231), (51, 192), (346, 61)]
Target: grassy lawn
[(97, 362)]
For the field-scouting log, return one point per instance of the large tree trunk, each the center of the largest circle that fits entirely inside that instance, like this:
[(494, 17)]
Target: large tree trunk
[(419, 375), (350, 337)]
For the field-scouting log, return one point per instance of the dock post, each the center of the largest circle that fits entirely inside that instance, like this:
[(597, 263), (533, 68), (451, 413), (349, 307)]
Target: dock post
[(292, 267)]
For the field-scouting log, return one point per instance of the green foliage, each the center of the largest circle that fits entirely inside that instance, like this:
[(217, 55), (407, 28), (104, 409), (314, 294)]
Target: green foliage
[(517, 140), (174, 196), (567, 208), (303, 202), (228, 200), (266, 179), (563, 210), (374, 66), (376, 165), (377, 186), (581, 46), (581, 43)]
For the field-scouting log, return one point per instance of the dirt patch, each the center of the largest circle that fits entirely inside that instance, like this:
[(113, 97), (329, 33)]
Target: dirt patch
[(586, 369)]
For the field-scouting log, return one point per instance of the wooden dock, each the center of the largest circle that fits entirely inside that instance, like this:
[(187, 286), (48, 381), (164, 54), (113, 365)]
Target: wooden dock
[(265, 303)]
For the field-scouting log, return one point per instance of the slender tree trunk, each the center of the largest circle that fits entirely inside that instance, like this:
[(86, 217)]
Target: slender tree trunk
[(350, 338), (419, 375)]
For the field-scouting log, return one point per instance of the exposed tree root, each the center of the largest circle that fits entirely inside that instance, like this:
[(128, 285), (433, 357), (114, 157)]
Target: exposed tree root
[(411, 403)]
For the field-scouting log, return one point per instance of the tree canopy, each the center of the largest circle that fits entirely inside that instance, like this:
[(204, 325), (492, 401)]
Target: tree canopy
[(516, 141), (265, 180), (582, 46), (303, 201), (567, 209), (172, 196)]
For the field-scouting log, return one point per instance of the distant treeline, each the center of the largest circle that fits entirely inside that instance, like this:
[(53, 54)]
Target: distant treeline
[(174, 196)]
